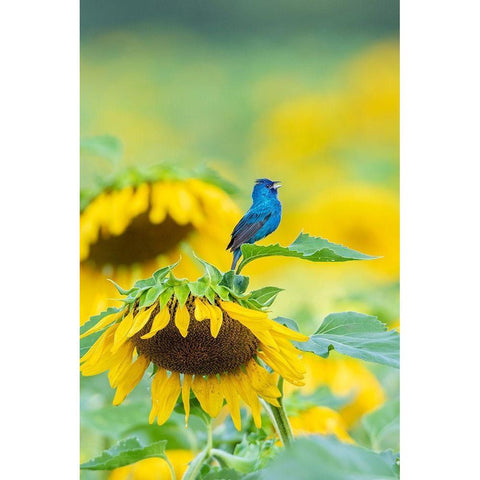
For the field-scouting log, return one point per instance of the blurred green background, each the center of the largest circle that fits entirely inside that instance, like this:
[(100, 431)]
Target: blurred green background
[(303, 92)]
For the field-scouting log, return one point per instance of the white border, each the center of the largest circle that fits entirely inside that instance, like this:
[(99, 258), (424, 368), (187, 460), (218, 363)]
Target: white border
[(39, 98), (440, 239)]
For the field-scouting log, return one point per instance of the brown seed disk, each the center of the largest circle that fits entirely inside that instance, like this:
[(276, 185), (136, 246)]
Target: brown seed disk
[(141, 241), (198, 353)]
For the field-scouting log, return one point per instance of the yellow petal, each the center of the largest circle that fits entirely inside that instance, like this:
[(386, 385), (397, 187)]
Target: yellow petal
[(248, 394), (209, 393), (166, 398), (288, 333), (123, 360), (216, 319), (130, 378), (264, 383), (124, 327), (103, 344), (279, 364), (182, 320), (104, 322), (201, 310), (140, 320), (159, 322), (187, 383), (180, 204), (159, 199), (235, 310), (232, 398)]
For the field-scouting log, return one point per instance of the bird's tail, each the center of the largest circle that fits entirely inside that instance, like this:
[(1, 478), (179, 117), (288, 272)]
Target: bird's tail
[(236, 256)]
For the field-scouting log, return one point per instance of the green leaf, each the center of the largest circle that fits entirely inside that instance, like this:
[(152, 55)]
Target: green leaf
[(327, 458), (380, 429), (357, 335), (125, 452), (265, 296), (306, 247)]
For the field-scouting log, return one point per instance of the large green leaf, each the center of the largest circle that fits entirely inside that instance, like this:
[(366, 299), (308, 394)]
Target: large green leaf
[(125, 452), (306, 247), (315, 458), (380, 429), (357, 335)]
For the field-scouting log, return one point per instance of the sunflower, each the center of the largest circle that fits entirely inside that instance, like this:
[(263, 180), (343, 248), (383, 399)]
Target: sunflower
[(132, 225), (203, 337), (155, 468)]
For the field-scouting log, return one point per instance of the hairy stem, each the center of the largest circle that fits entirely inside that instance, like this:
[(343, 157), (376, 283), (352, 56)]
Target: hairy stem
[(281, 422), (196, 464)]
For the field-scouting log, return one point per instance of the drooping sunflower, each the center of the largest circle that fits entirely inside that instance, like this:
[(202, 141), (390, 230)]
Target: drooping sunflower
[(205, 337), (140, 219)]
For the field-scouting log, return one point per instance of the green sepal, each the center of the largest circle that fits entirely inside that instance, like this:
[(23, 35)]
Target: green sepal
[(152, 295), (161, 273), (121, 290), (264, 297), (211, 272), (236, 283), (165, 297), (181, 292), (210, 294), (199, 287), (222, 292)]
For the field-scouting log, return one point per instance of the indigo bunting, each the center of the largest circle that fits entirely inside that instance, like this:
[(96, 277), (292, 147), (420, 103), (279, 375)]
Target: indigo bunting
[(261, 220)]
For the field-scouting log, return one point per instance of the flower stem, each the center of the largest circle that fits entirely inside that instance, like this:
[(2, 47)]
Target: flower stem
[(170, 466), (196, 464), (281, 422)]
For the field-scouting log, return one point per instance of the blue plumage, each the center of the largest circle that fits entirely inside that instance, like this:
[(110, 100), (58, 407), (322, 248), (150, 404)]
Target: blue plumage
[(261, 220)]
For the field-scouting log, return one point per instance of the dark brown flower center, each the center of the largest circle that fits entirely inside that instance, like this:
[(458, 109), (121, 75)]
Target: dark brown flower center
[(198, 353), (141, 241)]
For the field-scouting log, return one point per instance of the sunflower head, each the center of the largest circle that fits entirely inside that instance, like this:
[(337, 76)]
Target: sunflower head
[(141, 219), (140, 214), (208, 336)]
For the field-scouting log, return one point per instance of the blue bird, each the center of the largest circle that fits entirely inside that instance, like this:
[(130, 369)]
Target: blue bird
[(261, 220)]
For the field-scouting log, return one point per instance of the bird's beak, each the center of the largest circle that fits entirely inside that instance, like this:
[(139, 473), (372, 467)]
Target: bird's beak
[(277, 185)]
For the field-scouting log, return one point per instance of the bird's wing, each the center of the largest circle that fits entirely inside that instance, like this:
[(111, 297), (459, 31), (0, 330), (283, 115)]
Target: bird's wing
[(246, 228)]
